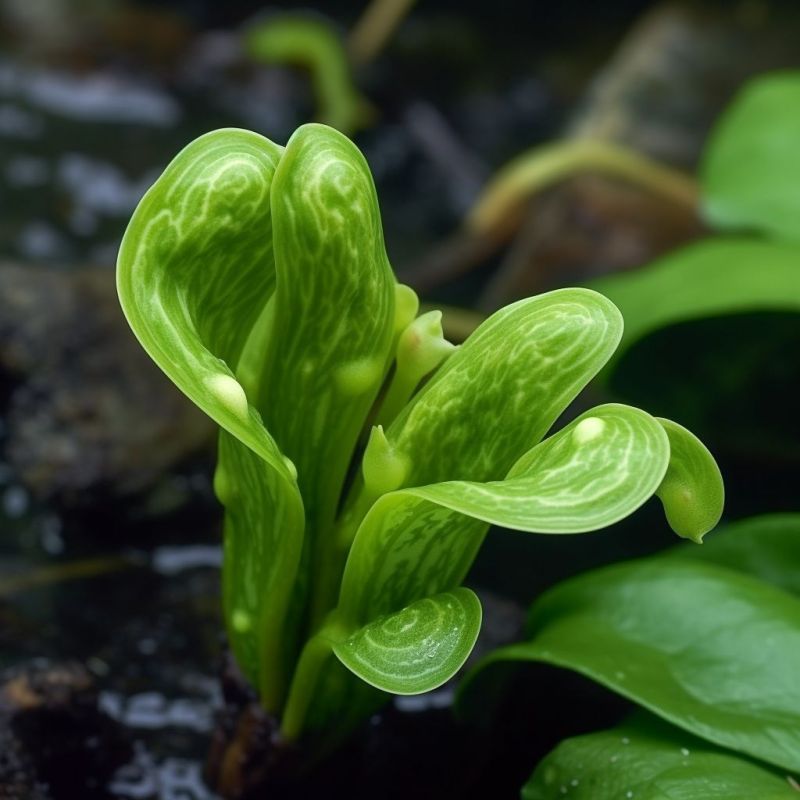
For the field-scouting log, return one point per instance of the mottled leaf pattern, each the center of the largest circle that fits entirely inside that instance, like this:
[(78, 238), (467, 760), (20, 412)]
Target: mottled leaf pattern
[(420, 541), (417, 648)]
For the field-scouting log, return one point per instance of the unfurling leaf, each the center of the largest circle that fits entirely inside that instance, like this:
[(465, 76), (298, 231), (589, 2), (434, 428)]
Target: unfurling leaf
[(417, 648)]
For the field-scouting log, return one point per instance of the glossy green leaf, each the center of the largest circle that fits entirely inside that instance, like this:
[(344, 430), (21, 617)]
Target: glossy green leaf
[(767, 547), (419, 541), (502, 390), (692, 491), (711, 650), (647, 760), (333, 319), (751, 168), (715, 277), (195, 273), (417, 648)]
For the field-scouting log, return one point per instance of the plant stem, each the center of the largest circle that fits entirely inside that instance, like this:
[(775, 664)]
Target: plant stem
[(544, 166), (316, 652), (374, 27)]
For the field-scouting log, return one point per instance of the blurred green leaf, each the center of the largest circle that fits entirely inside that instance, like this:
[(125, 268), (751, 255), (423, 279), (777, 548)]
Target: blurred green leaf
[(709, 649), (645, 759), (714, 277), (751, 167)]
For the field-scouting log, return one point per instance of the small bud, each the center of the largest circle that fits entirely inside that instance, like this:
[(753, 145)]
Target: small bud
[(384, 468), (422, 347)]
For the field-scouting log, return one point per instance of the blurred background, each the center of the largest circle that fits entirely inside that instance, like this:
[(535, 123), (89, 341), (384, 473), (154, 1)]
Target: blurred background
[(108, 527)]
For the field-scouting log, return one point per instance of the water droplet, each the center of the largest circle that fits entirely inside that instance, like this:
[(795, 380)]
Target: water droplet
[(587, 430), (684, 751), (629, 793), (625, 740), (574, 782)]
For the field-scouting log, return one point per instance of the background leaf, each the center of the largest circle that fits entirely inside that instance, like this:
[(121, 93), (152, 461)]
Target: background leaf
[(767, 547), (418, 648), (648, 760), (750, 170), (709, 649), (717, 276)]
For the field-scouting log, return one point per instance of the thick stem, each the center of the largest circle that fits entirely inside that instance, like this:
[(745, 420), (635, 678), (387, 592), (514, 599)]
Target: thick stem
[(315, 654)]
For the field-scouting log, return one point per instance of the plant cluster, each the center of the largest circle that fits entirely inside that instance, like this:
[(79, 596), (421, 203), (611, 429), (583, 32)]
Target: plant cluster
[(362, 457)]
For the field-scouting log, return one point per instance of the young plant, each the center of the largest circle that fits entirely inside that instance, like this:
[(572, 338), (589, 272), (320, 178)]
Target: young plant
[(362, 457)]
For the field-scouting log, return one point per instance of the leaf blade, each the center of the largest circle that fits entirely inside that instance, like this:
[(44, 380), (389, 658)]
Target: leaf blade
[(710, 650), (648, 760), (417, 648)]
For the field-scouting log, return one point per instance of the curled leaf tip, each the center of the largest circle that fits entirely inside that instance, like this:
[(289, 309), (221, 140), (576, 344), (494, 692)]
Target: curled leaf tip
[(384, 468), (692, 491)]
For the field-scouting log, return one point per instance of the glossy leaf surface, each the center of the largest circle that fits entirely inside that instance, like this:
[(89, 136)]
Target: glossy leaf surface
[(195, 273), (597, 470), (333, 316), (767, 547), (417, 648), (751, 169), (692, 490), (506, 385), (647, 760), (711, 650)]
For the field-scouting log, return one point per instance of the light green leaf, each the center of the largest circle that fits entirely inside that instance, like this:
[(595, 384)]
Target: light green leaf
[(419, 541), (692, 491), (767, 547), (711, 650), (262, 548), (501, 391), (645, 759), (417, 648), (751, 168), (715, 277), (333, 318), (195, 273)]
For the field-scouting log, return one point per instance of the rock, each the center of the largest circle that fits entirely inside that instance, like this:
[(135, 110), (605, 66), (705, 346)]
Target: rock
[(57, 735), (86, 411)]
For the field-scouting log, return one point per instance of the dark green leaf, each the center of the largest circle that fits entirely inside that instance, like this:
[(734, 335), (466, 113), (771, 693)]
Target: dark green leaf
[(767, 547), (711, 650), (647, 760)]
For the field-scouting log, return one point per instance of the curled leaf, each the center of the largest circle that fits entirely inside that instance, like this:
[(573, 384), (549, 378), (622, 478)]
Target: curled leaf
[(417, 648)]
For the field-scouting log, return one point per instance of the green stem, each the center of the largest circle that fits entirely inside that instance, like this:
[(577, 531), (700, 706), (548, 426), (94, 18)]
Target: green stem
[(544, 166), (318, 649)]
